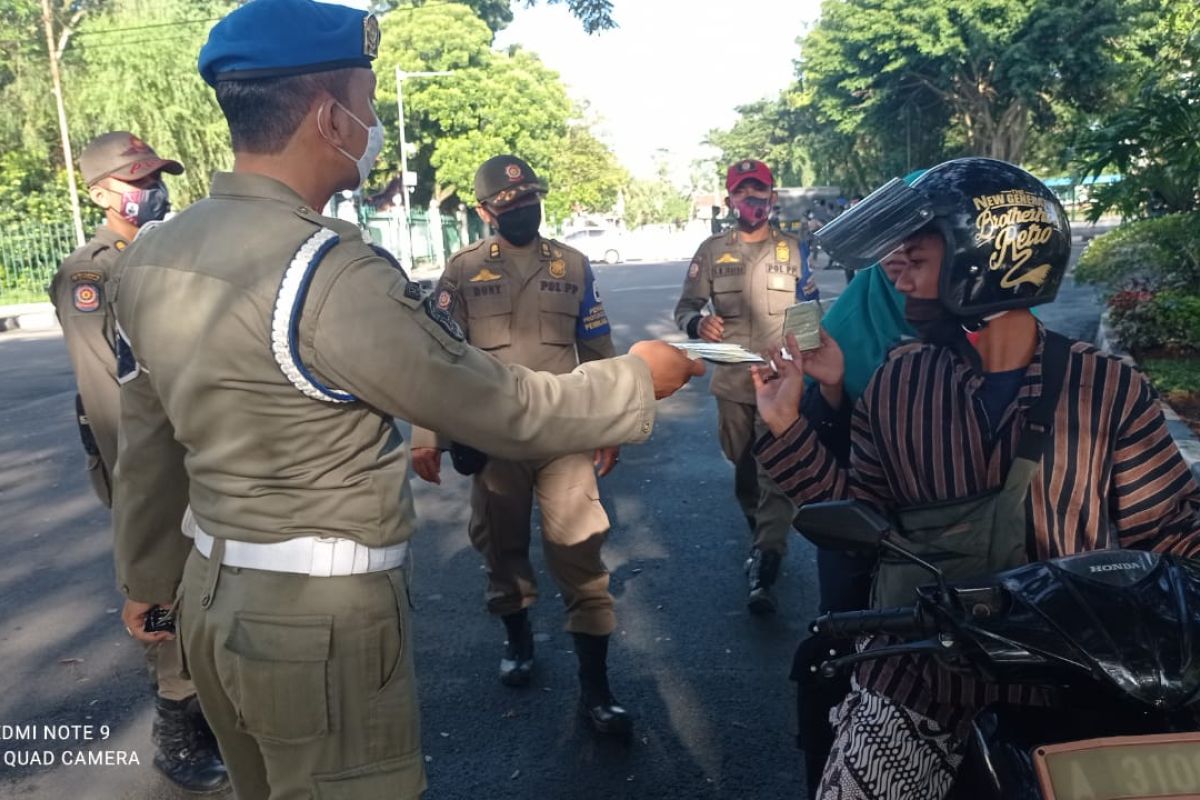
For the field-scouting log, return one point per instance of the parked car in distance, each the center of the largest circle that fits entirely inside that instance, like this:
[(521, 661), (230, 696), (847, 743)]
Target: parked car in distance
[(599, 244)]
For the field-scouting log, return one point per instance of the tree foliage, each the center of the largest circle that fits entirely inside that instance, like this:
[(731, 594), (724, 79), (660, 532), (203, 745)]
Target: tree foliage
[(146, 81), (492, 103), (595, 15), (655, 202), (1153, 139), (886, 86)]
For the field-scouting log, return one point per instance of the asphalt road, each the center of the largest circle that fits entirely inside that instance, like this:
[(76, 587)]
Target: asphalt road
[(707, 682)]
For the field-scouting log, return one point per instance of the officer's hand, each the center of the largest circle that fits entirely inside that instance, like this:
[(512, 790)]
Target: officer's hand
[(427, 463), (670, 367), (133, 615), (711, 328), (606, 460), (778, 387)]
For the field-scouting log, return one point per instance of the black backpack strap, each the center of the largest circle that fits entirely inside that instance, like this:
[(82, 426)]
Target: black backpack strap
[(1039, 422)]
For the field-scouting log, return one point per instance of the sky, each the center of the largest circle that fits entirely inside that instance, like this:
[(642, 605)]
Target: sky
[(672, 71)]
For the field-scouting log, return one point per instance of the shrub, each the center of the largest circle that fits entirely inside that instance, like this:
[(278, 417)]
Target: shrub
[(1146, 320), (1152, 254)]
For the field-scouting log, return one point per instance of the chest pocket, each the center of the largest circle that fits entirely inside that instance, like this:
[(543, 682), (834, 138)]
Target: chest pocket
[(781, 292), (558, 314), (727, 295), (489, 313)]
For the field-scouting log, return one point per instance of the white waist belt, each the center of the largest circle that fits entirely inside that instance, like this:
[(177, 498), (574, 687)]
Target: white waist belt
[(319, 556)]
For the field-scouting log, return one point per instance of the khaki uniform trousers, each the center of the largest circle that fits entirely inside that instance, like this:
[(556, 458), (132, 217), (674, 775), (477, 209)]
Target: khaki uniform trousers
[(307, 682), (574, 527), (768, 510)]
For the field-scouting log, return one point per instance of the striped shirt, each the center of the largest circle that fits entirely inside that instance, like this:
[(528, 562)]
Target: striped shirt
[(1111, 476)]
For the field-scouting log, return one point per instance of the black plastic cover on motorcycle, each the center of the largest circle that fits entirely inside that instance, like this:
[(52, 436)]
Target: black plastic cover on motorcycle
[(1131, 619)]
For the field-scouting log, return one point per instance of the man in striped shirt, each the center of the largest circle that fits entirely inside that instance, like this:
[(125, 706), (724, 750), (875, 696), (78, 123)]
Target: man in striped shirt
[(941, 420)]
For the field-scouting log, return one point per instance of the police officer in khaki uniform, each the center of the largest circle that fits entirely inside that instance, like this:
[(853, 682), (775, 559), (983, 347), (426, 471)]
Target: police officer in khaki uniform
[(264, 352), (533, 301), (124, 177), (749, 277)]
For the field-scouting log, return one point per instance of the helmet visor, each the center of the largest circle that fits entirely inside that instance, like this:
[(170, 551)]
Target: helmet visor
[(875, 227)]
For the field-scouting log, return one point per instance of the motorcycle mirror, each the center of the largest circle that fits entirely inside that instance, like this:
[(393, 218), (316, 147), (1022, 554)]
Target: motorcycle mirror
[(848, 525)]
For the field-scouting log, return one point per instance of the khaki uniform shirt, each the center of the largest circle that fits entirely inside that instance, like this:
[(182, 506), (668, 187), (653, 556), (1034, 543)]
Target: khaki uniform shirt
[(213, 315), (537, 306), (750, 285), (79, 296)]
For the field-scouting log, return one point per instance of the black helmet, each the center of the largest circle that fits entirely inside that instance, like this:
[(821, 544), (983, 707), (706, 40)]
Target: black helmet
[(502, 180), (1007, 237)]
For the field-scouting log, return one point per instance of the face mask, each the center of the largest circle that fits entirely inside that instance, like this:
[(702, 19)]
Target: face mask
[(140, 206), (931, 320), (752, 211), (366, 162), (520, 225)]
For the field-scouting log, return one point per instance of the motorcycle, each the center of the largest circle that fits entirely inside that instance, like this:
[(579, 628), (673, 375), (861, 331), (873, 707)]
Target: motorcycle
[(1115, 633)]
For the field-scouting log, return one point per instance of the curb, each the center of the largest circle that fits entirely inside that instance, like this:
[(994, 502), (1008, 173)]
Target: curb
[(29, 317), (1185, 438)]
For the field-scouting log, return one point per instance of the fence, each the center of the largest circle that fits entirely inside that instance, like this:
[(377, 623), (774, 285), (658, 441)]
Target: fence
[(29, 257)]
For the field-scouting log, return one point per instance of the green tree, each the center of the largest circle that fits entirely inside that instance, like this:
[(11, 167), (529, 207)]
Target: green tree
[(145, 80), (1153, 139), (585, 176), (655, 202), (596, 15), (492, 103), (764, 130)]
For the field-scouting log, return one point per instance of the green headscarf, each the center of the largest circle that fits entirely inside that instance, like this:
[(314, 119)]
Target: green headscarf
[(867, 320)]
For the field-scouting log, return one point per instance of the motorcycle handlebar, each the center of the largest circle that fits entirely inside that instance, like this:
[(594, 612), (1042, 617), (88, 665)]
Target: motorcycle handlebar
[(849, 624)]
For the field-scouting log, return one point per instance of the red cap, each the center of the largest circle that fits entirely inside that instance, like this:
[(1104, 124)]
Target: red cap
[(745, 170)]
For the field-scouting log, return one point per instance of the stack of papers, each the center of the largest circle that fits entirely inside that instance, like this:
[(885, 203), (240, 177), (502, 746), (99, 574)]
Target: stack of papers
[(719, 353)]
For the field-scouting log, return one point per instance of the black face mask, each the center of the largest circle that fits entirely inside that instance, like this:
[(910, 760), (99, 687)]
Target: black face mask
[(520, 225), (931, 320)]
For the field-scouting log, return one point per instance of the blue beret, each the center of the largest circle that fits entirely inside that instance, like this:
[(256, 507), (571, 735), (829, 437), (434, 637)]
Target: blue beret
[(275, 38)]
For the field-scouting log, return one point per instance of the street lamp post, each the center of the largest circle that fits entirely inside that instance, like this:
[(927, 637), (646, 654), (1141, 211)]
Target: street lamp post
[(401, 76)]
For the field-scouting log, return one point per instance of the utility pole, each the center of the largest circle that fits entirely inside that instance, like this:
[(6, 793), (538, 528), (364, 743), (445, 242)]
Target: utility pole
[(55, 53), (401, 76)]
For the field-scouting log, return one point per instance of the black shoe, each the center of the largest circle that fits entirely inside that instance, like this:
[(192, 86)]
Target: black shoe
[(187, 752), (607, 716), (762, 568), (597, 705), (516, 668)]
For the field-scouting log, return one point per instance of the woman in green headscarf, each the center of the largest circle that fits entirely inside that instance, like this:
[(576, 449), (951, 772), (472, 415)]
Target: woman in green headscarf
[(867, 320)]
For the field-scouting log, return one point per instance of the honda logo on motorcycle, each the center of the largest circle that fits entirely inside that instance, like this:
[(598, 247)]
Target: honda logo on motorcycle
[(1127, 565)]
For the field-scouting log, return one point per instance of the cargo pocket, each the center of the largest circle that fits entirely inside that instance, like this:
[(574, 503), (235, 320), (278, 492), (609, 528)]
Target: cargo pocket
[(558, 314), (397, 779), (781, 293), (281, 665), (727, 295), (489, 318)]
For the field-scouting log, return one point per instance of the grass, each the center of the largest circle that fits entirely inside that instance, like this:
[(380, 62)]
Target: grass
[(1171, 375), (1177, 379), (14, 297)]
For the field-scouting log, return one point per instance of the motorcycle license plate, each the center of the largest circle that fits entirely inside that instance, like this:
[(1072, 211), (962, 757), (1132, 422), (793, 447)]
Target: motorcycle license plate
[(1162, 767)]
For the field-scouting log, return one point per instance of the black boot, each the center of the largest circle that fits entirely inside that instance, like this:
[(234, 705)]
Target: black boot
[(762, 568), (596, 703), (187, 752), (516, 668)]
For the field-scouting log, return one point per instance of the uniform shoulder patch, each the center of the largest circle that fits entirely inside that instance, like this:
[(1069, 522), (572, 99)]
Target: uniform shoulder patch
[(439, 307), (85, 296)]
